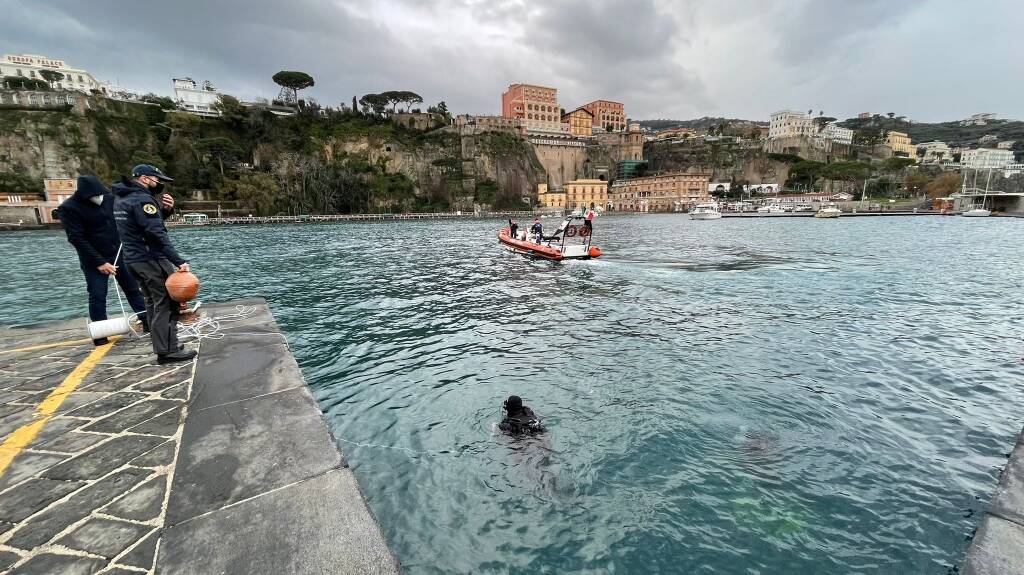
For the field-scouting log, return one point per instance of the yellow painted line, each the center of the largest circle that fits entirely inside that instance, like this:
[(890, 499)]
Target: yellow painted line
[(68, 343), (23, 436)]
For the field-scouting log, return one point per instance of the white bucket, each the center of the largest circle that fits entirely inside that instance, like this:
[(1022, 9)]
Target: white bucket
[(108, 327)]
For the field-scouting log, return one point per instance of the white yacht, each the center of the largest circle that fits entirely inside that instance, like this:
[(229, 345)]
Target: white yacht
[(828, 211), (978, 211), (771, 209), (705, 212)]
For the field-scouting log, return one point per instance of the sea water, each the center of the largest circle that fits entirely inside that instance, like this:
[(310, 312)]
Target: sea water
[(769, 395)]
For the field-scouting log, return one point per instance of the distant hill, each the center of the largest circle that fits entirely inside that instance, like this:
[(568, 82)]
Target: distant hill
[(950, 132), (698, 124)]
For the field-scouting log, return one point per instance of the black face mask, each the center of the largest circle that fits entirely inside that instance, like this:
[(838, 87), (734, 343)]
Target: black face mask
[(158, 188)]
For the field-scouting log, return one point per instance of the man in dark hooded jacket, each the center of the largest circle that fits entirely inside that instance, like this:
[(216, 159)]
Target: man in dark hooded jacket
[(88, 220), (519, 419), (150, 256)]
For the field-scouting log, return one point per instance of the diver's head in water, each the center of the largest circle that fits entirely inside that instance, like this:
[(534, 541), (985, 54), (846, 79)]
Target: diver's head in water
[(514, 404), (519, 419)]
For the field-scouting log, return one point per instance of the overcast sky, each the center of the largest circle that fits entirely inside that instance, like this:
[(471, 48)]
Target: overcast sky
[(930, 60)]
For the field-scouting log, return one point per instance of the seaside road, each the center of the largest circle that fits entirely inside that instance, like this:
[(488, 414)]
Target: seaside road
[(111, 463)]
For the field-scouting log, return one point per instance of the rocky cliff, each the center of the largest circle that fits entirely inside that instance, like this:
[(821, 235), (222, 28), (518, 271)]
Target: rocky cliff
[(314, 162)]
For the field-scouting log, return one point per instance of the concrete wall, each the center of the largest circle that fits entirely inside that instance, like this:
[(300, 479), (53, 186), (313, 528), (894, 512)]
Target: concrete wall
[(13, 214)]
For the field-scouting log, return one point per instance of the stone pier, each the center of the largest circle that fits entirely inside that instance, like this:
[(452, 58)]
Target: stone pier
[(998, 545), (111, 463)]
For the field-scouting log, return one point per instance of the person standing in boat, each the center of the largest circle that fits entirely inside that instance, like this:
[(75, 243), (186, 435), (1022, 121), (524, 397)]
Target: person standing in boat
[(513, 229), (537, 230), (588, 220)]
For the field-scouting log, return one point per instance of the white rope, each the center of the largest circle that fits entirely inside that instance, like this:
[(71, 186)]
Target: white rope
[(117, 291), (209, 327)]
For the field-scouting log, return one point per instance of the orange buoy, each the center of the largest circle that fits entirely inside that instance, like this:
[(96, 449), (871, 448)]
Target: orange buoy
[(182, 286), (595, 252)]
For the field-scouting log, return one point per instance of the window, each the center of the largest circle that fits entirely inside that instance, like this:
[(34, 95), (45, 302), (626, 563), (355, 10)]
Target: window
[(80, 79), (19, 72), (32, 73)]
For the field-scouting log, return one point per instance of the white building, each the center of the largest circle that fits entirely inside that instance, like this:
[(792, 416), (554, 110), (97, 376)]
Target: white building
[(30, 65), (935, 152), (978, 119), (837, 133), (195, 99), (789, 124), (1006, 144), (984, 158)]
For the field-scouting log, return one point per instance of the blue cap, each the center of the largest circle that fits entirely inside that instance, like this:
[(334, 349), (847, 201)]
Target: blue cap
[(148, 170)]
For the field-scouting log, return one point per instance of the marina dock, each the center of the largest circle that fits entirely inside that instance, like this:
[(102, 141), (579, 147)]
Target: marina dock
[(998, 545), (112, 463)]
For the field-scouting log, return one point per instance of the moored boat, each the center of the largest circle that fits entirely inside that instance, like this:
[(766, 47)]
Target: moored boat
[(570, 242), (705, 212), (828, 211)]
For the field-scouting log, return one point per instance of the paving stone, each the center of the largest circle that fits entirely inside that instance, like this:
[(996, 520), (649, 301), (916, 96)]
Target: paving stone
[(142, 555), (55, 519), (234, 451), (104, 537), (45, 382), (107, 405), (159, 457), (53, 564), (44, 367), (32, 497), (164, 381), (142, 504), (78, 399), (5, 527), (14, 420), (56, 427), (132, 416), (28, 464), (33, 397), (151, 371), (7, 397), (8, 409), (114, 381), (71, 442), (179, 391), (7, 559), (71, 353), (164, 425), (103, 458)]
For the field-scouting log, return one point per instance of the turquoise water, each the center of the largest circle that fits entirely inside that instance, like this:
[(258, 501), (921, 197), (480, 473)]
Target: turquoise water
[(755, 396)]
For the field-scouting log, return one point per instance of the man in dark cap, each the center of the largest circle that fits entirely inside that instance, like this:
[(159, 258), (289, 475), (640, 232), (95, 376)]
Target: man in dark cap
[(88, 220), (519, 419), (150, 256)]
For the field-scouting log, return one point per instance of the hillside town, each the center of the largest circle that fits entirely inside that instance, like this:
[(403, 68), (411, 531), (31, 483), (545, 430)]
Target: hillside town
[(588, 153)]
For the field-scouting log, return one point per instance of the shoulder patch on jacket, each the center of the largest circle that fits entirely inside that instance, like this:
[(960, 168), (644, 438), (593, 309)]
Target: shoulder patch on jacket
[(150, 209)]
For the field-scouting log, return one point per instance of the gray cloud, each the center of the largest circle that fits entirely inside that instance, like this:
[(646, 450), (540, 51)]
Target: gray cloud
[(927, 59)]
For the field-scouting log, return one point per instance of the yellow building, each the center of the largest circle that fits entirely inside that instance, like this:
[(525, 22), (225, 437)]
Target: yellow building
[(581, 193), (673, 192), (550, 199), (901, 146), (581, 122)]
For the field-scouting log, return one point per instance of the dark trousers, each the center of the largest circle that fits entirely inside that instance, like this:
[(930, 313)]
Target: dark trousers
[(96, 283), (162, 310)]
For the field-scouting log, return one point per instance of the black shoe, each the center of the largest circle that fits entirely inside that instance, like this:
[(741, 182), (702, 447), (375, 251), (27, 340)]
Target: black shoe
[(100, 341), (180, 355)]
